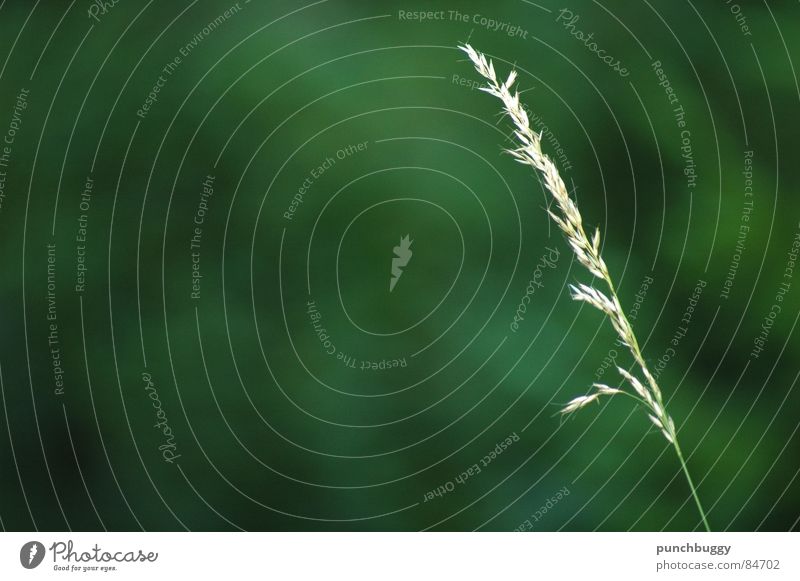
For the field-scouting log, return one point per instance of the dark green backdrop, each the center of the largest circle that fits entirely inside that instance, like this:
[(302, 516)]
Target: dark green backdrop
[(293, 390)]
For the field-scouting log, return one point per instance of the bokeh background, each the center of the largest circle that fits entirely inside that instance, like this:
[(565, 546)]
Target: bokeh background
[(386, 414)]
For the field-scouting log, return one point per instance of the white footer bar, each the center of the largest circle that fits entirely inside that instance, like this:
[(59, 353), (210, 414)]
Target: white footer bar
[(401, 556)]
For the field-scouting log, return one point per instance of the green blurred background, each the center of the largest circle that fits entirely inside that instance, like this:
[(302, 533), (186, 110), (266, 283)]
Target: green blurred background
[(370, 421)]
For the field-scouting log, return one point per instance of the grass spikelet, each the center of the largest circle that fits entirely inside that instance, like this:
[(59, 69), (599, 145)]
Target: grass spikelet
[(566, 215)]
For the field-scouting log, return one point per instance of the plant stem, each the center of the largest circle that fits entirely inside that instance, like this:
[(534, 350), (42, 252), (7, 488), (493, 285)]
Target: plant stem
[(637, 355), (691, 483)]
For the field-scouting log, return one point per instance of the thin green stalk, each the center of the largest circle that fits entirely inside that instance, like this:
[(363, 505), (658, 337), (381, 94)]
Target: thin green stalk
[(637, 354), (691, 484)]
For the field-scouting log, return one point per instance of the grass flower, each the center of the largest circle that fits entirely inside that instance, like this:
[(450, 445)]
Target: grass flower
[(641, 385)]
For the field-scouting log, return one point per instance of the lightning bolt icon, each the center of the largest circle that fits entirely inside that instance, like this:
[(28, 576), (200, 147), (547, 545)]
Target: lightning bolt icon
[(402, 256)]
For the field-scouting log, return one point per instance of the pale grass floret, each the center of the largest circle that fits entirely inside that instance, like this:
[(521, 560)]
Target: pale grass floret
[(567, 217)]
